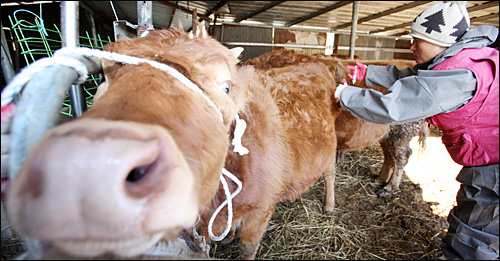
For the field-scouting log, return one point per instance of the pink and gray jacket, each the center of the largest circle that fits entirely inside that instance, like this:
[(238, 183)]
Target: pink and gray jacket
[(457, 92)]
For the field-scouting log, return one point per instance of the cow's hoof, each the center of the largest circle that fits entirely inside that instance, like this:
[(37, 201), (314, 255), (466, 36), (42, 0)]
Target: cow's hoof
[(384, 194), (227, 241), (330, 213)]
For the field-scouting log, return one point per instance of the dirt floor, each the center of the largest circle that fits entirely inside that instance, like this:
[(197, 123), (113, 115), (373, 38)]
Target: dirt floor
[(409, 226)]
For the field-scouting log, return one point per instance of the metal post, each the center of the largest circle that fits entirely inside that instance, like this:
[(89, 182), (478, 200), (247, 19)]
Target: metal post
[(7, 68), (144, 17), (354, 25), (70, 33), (194, 21)]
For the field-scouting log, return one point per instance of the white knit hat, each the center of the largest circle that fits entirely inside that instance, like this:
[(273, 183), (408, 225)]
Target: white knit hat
[(442, 24)]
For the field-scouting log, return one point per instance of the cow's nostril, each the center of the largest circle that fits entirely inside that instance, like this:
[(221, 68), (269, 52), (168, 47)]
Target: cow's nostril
[(142, 181), (137, 173)]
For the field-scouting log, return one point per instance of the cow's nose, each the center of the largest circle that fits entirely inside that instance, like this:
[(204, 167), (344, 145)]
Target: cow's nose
[(145, 178), (84, 181)]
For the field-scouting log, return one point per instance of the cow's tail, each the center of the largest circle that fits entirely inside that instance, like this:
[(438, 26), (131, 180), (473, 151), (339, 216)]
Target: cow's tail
[(422, 136)]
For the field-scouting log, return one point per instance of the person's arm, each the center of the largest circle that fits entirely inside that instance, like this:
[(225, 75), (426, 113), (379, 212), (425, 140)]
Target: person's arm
[(411, 98), (386, 75)]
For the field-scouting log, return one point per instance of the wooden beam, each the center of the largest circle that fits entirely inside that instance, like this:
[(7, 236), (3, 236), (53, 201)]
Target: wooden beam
[(405, 32), (482, 6), (319, 12), (384, 13), (484, 17), (215, 8), (167, 3), (392, 27), (258, 11)]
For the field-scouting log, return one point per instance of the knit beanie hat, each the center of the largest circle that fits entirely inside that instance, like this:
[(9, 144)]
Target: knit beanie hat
[(442, 24)]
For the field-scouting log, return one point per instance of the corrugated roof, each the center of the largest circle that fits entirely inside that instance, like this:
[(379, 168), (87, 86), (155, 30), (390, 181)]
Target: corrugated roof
[(375, 17), (391, 18)]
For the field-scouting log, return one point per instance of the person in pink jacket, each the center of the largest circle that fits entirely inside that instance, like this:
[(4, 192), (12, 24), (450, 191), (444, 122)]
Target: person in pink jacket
[(455, 87)]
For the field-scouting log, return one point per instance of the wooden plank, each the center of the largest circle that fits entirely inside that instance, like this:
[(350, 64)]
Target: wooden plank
[(384, 13)]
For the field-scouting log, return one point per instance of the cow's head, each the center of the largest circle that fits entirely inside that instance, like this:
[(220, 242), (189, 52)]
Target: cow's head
[(142, 161)]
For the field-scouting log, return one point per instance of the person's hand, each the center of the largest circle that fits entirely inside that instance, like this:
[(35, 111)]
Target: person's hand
[(358, 72), (339, 89)]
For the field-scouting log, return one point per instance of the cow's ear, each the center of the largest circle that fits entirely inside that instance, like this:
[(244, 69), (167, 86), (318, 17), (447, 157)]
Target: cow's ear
[(108, 69), (236, 51), (198, 31)]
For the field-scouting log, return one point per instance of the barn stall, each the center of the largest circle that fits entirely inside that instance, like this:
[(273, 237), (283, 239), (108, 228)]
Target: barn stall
[(406, 226)]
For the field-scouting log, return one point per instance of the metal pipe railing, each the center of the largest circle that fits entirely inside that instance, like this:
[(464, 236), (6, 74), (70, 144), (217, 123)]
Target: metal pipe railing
[(70, 38)]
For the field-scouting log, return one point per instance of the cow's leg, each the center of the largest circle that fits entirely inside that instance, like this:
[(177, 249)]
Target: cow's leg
[(402, 154), (232, 233), (329, 177), (252, 229), (340, 156), (388, 166)]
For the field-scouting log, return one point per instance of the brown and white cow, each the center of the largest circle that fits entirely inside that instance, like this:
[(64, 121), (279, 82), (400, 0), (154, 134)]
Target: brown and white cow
[(353, 133), (145, 160)]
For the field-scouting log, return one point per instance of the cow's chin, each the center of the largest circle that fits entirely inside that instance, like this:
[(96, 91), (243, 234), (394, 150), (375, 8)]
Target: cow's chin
[(122, 247)]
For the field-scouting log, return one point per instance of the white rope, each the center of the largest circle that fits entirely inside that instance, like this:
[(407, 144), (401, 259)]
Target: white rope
[(227, 202), (135, 60), (239, 130), (60, 57), (20, 80), (113, 7)]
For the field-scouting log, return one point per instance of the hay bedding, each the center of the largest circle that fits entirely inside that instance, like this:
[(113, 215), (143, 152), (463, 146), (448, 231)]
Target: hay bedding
[(363, 226)]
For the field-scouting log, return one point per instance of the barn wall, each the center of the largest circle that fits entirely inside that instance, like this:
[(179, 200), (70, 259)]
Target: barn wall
[(246, 34), (363, 41), (300, 37), (403, 44)]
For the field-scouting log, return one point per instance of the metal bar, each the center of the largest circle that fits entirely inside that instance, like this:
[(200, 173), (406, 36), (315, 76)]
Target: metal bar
[(144, 16), (7, 67), (70, 30), (313, 30), (91, 21), (258, 11), (384, 13), (319, 12), (355, 12), (121, 31), (374, 49)]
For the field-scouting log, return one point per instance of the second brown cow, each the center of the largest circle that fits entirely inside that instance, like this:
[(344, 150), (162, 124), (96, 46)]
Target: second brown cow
[(353, 133)]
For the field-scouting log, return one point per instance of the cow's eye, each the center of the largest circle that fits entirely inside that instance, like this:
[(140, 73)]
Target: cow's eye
[(225, 86)]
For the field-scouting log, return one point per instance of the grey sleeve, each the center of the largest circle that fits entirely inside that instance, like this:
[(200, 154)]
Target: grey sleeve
[(386, 76), (411, 98)]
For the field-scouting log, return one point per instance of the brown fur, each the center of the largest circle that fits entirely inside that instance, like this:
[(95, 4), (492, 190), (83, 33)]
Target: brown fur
[(290, 114), (353, 133)]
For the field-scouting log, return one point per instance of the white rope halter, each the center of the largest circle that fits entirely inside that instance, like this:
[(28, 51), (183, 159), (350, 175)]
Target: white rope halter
[(60, 57)]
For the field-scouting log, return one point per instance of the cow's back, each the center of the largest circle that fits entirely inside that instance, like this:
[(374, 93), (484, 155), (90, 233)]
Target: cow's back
[(304, 99)]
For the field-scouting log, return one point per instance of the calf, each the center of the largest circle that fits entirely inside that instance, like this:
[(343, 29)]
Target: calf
[(145, 161), (353, 133)]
